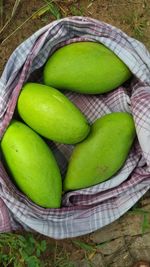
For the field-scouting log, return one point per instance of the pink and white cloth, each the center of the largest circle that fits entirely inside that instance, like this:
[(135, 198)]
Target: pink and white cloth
[(82, 211)]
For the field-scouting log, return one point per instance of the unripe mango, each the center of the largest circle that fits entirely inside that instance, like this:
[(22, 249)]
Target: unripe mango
[(32, 165), (51, 114), (85, 67), (103, 153)]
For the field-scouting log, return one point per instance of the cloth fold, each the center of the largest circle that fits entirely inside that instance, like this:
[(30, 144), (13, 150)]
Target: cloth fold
[(83, 211)]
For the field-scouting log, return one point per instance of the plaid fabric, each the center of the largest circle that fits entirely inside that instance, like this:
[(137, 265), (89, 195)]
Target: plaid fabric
[(83, 211)]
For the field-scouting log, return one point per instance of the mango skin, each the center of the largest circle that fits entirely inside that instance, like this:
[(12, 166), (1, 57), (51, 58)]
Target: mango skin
[(103, 153), (52, 114), (32, 165), (85, 67)]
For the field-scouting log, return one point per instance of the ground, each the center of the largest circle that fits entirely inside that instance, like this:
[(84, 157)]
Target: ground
[(126, 240)]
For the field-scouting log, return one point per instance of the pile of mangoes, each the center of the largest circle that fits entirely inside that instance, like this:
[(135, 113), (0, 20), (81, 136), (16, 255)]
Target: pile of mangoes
[(100, 150)]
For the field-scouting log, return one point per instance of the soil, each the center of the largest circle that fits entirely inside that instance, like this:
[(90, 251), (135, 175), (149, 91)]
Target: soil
[(132, 16)]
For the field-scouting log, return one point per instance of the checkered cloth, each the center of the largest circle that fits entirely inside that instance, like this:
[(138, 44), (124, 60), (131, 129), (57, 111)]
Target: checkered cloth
[(87, 210)]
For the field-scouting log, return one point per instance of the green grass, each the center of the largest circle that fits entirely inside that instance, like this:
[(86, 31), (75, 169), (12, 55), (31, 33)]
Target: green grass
[(28, 250), (61, 259), (77, 11), (18, 251), (88, 249), (85, 246), (137, 23)]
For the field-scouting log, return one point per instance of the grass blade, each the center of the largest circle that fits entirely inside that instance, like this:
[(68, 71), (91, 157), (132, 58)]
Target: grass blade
[(53, 9), (20, 26), (1, 13), (83, 245), (41, 12), (17, 2)]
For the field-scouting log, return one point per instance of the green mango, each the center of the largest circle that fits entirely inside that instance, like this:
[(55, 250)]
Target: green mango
[(32, 165), (85, 67), (51, 114), (103, 153)]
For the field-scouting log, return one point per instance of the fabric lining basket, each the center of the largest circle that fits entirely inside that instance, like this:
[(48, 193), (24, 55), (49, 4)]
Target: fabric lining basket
[(83, 211)]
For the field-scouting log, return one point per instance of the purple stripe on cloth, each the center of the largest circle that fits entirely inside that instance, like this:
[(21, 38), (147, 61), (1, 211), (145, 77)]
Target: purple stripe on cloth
[(5, 225), (86, 210)]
